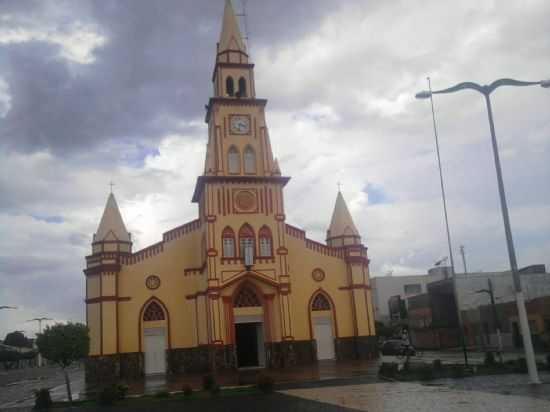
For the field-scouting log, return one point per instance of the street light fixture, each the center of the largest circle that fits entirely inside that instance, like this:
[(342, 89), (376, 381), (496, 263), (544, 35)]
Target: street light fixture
[(39, 320), (486, 91), (8, 307), (449, 244)]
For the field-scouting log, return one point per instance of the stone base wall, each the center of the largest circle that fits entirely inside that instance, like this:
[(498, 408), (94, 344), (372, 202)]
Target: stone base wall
[(199, 359), (130, 366), (290, 353), (112, 368), (356, 347)]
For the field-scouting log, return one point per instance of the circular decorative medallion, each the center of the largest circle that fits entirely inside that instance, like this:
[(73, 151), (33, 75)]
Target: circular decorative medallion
[(318, 275), (152, 282), (245, 201)]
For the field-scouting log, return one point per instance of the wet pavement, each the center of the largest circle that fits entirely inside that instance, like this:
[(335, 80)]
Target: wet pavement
[(327, 386), (503, 393), (17, 386)]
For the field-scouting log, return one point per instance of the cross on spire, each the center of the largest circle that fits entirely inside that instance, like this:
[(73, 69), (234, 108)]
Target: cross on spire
[(339, 184), (111, 184)]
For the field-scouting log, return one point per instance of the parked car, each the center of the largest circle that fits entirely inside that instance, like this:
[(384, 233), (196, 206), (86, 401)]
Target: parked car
[(396, 347)]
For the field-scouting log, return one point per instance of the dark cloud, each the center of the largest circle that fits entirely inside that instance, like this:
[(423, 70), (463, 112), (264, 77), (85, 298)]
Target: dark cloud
[(146, 78)]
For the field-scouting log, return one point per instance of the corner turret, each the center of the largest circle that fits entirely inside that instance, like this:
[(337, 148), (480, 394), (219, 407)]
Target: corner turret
[(111, 235), (342, 230)]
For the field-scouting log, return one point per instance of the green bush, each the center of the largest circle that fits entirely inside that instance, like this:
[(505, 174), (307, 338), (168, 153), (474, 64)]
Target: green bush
[(437, 365), (489, 359), (187, 390), (425, 372), (42, 399), (265, 383), (520, 365), (215, 389), (108, 395), (389, 370), (458, 371), (122, 391), (208, 382), (162, 394)]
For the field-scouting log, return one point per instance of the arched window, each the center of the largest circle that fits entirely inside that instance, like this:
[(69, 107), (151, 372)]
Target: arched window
[(246, 298), (320, 302), (246, 240), (229, 86), (228, 240), (242, 87), (249, 160), (265, 242), (153, 312), (234, 160)]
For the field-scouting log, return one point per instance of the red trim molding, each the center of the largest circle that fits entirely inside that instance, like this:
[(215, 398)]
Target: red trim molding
[(107, 299), (110, 267), (355, 286)]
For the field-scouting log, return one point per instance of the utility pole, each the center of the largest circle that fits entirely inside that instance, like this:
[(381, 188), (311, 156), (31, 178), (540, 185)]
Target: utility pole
[(463, 259), (39, 320)]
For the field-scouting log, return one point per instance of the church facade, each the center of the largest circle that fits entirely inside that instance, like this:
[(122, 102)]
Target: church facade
[(237, 287)]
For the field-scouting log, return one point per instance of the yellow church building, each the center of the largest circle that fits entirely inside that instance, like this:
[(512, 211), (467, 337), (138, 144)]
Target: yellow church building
[(237, 287)]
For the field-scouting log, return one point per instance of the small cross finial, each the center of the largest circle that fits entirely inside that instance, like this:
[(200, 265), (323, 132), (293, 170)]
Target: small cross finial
[(339, 186), (111, 184)]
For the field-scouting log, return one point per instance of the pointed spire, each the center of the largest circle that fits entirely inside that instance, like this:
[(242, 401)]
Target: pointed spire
[(230, 37), (111, 226), (276, 169), (341, 224)]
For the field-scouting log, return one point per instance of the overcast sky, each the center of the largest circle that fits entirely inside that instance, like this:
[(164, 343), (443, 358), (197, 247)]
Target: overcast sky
[(94, 91)]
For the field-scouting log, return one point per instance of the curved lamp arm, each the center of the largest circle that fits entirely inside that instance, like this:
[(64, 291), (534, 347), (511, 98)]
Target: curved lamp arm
[(485, 90)]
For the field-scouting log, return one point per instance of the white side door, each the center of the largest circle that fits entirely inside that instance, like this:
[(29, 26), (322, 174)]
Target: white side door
[(155, 350), (322, 328)]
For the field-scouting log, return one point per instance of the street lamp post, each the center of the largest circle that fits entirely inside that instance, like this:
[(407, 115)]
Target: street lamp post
[(39, 320), (449, 243), (520, 300)]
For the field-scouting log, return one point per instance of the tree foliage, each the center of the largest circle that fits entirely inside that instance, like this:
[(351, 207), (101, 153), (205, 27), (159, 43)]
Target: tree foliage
[(64, 343), (17, 339)]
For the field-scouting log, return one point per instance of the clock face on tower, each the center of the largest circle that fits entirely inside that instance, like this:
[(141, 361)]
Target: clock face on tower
[(239, 124)]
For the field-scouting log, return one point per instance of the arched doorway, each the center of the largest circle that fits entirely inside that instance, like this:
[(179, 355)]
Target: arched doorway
[(248, 312), (322, 325), (154, 320)]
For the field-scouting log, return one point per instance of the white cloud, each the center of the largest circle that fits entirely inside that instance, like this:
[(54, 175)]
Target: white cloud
[(342, 109), (77, 42), (5, 98)]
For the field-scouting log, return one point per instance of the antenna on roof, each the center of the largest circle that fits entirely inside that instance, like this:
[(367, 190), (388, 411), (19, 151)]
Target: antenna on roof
[(245, 25)]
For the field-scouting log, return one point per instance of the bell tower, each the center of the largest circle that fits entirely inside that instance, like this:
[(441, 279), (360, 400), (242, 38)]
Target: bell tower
[(240, 194)]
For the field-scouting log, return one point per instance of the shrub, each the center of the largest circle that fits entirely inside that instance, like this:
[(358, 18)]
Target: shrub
[(425, 372), (520, 365), (42, 399), (215, 389), (162, 394), (122, 391), (489, 359), (187, 390), (388, 370), (457, 371), (265, 383), (108, 395), (437, 365), (208, 382)]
